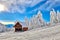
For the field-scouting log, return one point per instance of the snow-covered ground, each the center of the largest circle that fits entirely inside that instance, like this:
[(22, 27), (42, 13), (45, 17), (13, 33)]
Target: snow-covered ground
[(49, 33)]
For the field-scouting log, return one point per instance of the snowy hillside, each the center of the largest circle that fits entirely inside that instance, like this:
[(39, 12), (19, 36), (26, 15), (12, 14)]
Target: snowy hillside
[(50, 33), (3, 28)]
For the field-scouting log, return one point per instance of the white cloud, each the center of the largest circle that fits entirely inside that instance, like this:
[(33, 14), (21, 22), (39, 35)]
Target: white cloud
[(21, 5), (44, 6), (5, 23), (53, 4), (16, 5), (2, 7), (49, 4), (34, 2)]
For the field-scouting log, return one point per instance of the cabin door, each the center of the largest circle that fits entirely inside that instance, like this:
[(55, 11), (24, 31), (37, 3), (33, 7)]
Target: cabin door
[(18, 30)]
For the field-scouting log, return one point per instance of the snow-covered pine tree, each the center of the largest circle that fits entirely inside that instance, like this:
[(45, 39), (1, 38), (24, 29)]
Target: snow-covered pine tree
[(40, 18), (53, 17), (37, 21), (31, 25), (26, 21), (34, 21), (58, 16)]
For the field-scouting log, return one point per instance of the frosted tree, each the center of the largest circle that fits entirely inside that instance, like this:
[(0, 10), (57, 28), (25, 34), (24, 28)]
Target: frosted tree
[(40, 19), (31, 24), (53, 17), (58, 16), (3, 28), (37, 20), (34, 21), (26, 21)]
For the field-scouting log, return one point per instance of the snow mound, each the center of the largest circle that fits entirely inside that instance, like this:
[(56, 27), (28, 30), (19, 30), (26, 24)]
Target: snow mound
[(50, 33), (2, 28)]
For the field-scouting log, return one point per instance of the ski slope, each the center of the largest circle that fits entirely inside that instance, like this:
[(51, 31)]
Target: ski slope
[(49, 33)]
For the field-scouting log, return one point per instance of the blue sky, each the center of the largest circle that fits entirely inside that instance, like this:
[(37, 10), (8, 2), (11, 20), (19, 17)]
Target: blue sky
[(18, 9)]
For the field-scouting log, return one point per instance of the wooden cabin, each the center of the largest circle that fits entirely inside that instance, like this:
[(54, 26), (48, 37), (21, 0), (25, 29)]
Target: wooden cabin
[(18, 27), (25, 28)]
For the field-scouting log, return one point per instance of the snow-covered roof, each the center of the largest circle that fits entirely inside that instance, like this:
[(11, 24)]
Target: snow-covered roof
[(23, 24)]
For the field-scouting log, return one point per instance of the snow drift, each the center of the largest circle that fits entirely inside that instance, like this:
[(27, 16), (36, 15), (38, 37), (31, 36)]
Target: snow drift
[(3, 28), (50, 33)]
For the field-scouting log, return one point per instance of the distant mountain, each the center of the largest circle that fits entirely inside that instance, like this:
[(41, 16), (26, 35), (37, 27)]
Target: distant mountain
[(9, 25)]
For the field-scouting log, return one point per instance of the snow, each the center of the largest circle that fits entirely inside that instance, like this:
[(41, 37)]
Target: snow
[(49, 33), (3, 28)]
